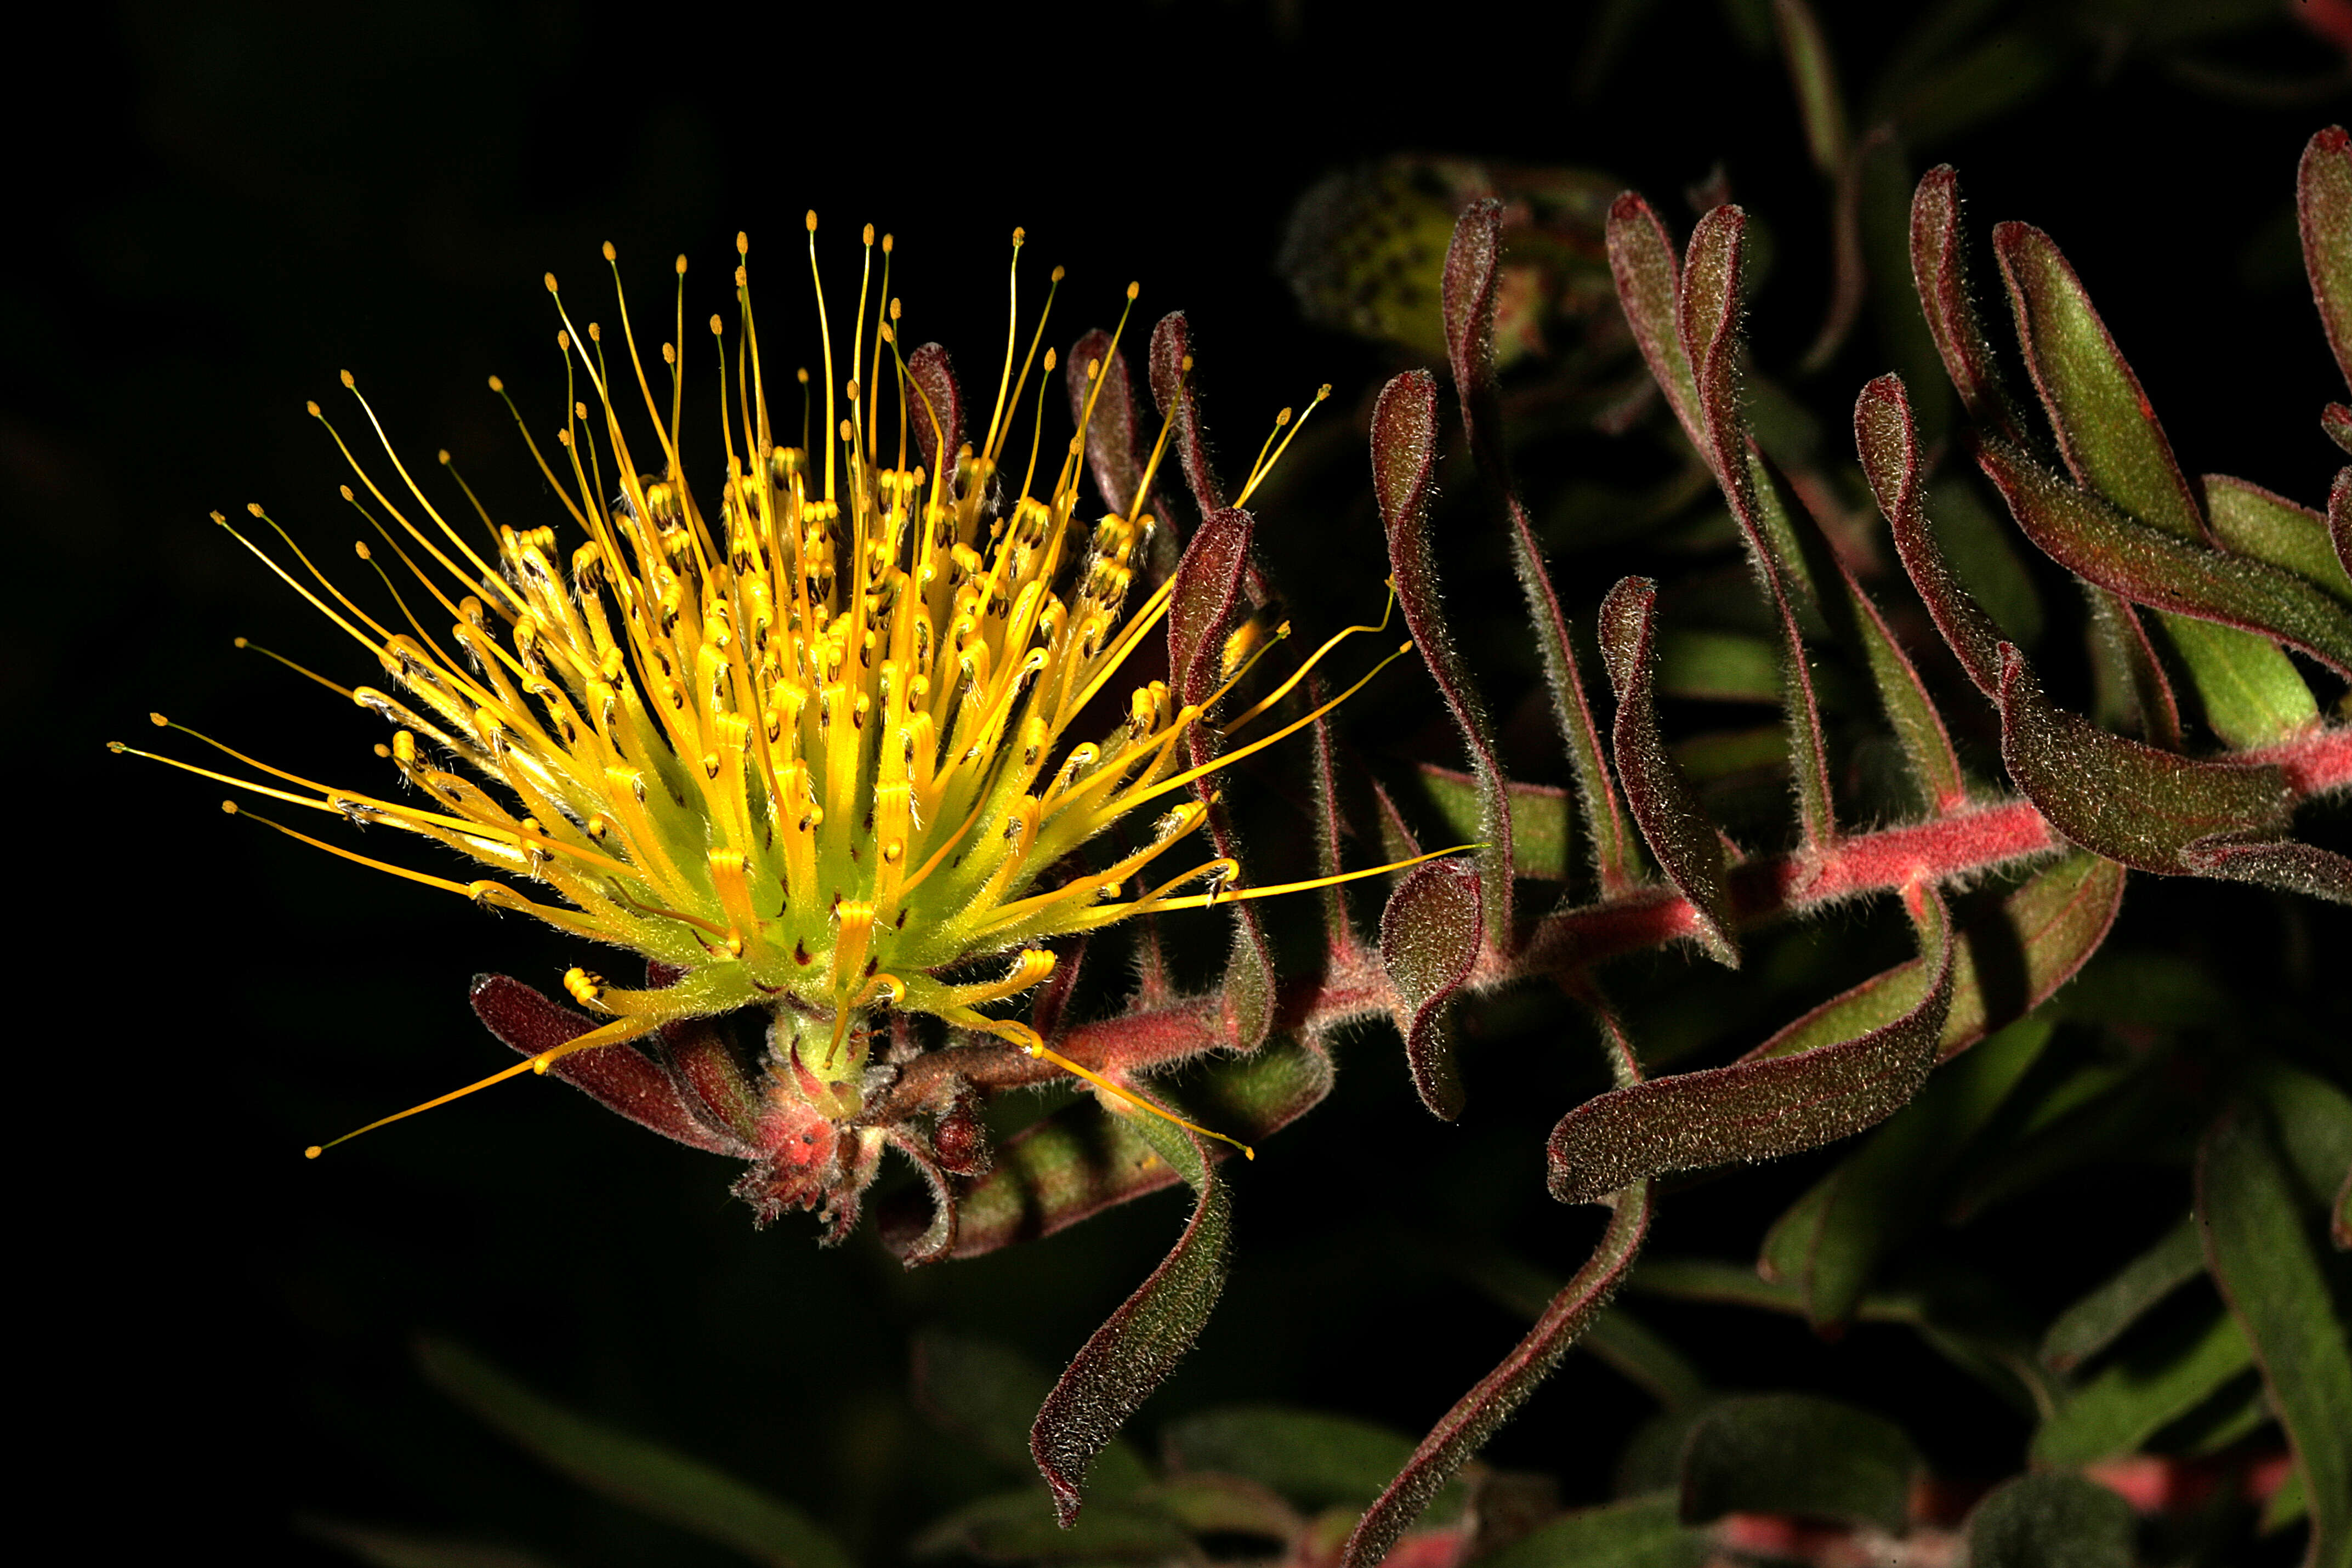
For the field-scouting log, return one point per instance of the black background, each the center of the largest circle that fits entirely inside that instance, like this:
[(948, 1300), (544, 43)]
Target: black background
[(217, 208)]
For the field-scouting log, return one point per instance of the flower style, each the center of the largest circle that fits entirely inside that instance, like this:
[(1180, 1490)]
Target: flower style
[(810, 749)]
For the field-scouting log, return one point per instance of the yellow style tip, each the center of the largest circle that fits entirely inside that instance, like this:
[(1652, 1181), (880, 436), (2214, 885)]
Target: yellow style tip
[(812, 220), (609, 254), (312, 1152)]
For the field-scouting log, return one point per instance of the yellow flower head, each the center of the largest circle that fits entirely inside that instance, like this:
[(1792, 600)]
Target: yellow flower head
[(803, 736)]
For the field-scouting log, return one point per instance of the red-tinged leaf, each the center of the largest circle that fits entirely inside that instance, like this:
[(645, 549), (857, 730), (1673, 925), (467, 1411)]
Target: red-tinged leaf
[(2336, 420), (1477, 1415), (936, 409), (1429, 946), (2084, 533), (1939, 271), (1889, 444), (1472, 267), (2273, 1277), (1081, 1160), (1649, 289), (2124, 800), (1132, 1353), (1111, 455), (1918, 728), (616, 1076), (2250, 521), (1762, 1106), (1173, 393), (1330, 825), (2285, 864), (1687, 844), (2323, 192), (2339, 517), (936, 1239), (1404, 461), (2130, 686), (2108, 434), (1539, 819)]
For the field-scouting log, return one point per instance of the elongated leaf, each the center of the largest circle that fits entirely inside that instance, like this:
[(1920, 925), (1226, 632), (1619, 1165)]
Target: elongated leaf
[(2261, 1256), (1473, 261), (2252, 692), (1082, 1160), (2323, 215), (1834, 1240), (1539, 819), (2121, 799), (1429, 946), (1179, 403), (644, 1476), (1310, 1460), (2132, 1399), (2336, 420), (2085, 534), (1889, 444), (1649, 288), (2092, 1324), (1795, 1453), (1404, 461), (1133, 1353), (1718, 666), (2250, 521), (1478, 1413), (2314, 1121), (1918, 728), (1760, 1108), (2050, 1522), (1112, 452), (1685, 844), (935, 407), (1639, 1533), (2110, 436), (616, 1078), (2293, 868), (2339, 516), (1939, 271)]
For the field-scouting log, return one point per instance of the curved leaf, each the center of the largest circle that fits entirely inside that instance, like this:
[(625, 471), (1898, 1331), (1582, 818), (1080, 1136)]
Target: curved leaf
[(2124, 800), (1795, 1453), (1687, 844), (644, 1476), (936, 412), (2262, 1258), (2050, 1522), (1310, 1460), (2137, 1395), (1429, 944), (1171, 361), (616, 1076), (1762, 1107), (1649, 287), (1501, 1392), (1939, 271), (1540, 829), (1889, 445), (2323, 202), (1639, 1533), (1122, 1362), (2250, 521), (2093, 1323)]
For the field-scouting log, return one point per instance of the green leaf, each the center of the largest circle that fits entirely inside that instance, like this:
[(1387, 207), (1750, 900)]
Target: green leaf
[(2323, 215), (1718, 666), (2261, 1256), (1430, 938), (2050, 1522), (1539, 819), (1309, 1459), (2252, 692), (2133, 1398), (989, 1394), (2250, 521), (1640, 1532), (2092, 1324), (648, 1476), (1795, 1453), (1927, 752), (1834, 1240), (2313, 1119)]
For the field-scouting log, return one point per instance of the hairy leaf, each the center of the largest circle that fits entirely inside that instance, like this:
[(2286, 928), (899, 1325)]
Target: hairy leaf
[(1310, 1460), (989, 1395), (2323, 188), (1404, 461), (1501, 1392), (1112, 452), (1889, 444), (2050, 1522), (2133, 1398), (2093, 1323), (1133, 1353), (2252, 692), (1539, 819), (616, 1076), (1760, 1108), (644, 1476), (1639, 1533), (2293, 867), (2261, 1256), (2121, 799), (1685, 844), (1649, 289), (1172, 391), (1429, 946), (936, 408), (1795, 1453), (1939, 271), (2250, 521)]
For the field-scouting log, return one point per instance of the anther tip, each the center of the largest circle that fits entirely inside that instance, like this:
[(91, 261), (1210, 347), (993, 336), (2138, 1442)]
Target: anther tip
[(538, 1066), (550, 279), (238, 642), (742, 243), (345, 491), (1019, 237), (254, 507), (220, 519), (812, 220), (1057, 275), (346, 378), (1134, 288), (359, 547), (887, 242), (869, 233), (442, 456), (497, 386), (312, 1152), (717, 327), (611, 253), (159, 721), (311, 407), (681, 265), (117, 747), (228, 809)]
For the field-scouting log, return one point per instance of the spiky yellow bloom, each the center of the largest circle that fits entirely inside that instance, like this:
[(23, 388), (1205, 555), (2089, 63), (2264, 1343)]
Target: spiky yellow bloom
[(805, 737)]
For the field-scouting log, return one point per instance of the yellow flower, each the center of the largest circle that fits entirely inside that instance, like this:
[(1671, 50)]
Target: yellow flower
[(803, 736)]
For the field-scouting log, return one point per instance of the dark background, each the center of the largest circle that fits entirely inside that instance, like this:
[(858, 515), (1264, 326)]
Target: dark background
[(216, 208)]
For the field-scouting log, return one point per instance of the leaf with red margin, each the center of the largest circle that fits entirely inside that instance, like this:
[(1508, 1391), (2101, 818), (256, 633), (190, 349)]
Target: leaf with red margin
[(2336, 421), (1940, 272), (940, 399), (1472, 264), (1888, 443), (2339, 517), (1687, 844), (616, 1076), (1760, 1108), (1133, 1353), (1501, 1392), (2124, 800), (1110, 433), (1171, 391), (2286, 865), (1079, 1161), (1404, 460), (2250, 521), (1918, 728), (1649, 285), (2085, 533), (937, 1240), (2323, 204), (1429, 946), (2276, 1286)]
